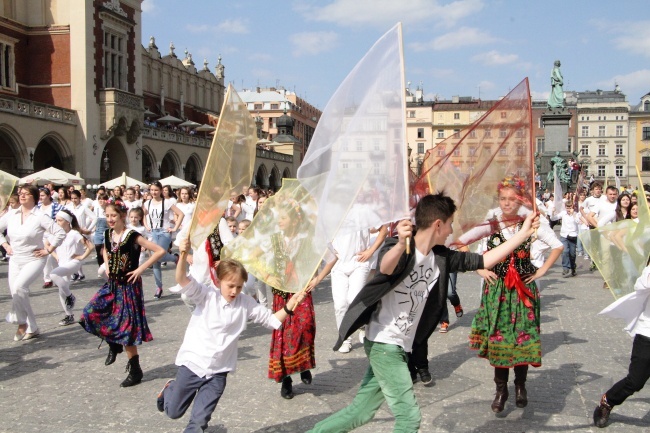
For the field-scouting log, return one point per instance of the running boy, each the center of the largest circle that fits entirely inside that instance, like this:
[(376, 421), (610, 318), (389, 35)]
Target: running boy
[(403, 305), (209, 349)]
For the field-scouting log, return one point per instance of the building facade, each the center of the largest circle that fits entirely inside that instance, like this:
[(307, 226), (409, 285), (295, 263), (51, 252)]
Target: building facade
[(79, 92), (602, 127), (639, 140)]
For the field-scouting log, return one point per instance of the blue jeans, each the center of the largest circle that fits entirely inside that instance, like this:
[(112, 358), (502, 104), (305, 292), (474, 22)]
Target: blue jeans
[(569, 253), (189, 387), (387, 378), (451, 295), (163, 239)]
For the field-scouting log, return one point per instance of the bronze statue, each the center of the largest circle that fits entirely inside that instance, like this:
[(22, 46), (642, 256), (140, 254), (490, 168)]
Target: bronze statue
[(562, 170)]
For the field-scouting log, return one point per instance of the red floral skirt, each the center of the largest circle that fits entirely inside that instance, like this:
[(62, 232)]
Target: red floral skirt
[(292, 346)]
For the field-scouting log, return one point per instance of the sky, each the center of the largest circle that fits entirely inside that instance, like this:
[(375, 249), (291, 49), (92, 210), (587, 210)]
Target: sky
[(477, 48)]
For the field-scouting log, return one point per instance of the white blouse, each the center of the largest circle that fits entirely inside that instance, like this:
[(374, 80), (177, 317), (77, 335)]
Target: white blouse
[(27, 236)]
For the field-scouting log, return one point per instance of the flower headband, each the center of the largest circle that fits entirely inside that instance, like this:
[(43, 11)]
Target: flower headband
[(513, 181)]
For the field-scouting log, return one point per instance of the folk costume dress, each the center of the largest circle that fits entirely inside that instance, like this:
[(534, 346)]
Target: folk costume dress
[(116, 313), (292, 346), (506, 328)]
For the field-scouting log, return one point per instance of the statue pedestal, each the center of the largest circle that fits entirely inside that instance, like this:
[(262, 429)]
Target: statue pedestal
[(556, 131), (556, 139)]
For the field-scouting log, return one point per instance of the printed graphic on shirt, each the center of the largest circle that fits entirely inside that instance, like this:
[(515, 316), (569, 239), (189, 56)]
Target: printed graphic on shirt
[(413, 294), (156, 215)]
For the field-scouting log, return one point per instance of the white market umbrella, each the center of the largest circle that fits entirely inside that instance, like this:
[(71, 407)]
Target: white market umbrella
[(122, 180), (205, 128), (176, 182), (190, 124), (51, 175), (169, 119)]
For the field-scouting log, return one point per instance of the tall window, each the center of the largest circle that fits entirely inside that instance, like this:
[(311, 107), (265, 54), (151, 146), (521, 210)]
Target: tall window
[(540, 144), (619, 170), (441, 150), (441, 133), (472, 134), (7, 75), (585, 131), (456, 116), (456, 133), (488, 133), (646, 133), (359, 146), (411, 114), (619, 130), (420, 147), (420, 132), (503, 133), (601, 150), (584, 150), (472, 151), (114, 61), (601, 131), (457, 151), (601, 171), (619, 149), (645, 163)]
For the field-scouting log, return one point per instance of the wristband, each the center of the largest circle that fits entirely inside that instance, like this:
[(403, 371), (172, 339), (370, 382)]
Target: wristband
[(288, 311)]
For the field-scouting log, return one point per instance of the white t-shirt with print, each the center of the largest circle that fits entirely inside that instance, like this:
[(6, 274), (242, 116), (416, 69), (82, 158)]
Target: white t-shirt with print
[(156, 212), (397, 316)]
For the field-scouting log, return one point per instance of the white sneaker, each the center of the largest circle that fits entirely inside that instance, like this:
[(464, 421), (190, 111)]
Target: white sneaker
[(346, 347), (362, 335)]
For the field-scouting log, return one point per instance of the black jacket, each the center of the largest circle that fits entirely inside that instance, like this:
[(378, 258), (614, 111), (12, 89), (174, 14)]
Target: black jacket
[(365, 303)]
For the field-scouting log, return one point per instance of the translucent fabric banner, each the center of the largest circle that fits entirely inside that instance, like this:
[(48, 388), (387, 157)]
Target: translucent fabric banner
[(620, 250), (469, 165), (7, 184), (280, 246), (358, 153), (229, 167)]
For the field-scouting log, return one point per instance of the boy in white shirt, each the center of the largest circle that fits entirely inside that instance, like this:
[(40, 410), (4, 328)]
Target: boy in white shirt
[(209, 349)]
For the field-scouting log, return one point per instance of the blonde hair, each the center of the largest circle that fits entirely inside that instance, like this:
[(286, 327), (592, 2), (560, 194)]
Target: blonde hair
[(228, 267)]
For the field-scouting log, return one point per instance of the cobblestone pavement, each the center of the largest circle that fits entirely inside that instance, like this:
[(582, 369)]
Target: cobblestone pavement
[(58, 382)]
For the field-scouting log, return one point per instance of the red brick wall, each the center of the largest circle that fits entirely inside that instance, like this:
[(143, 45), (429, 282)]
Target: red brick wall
[(42, 60)]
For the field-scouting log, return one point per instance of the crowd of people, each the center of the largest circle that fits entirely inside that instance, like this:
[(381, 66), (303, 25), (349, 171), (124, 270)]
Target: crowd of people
[(395, 297)]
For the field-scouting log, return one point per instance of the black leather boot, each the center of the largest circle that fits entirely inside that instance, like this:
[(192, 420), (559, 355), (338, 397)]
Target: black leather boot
[(135, 372), (501, 396), (113, 350), (287, 388), (521, 395), (305, 376)]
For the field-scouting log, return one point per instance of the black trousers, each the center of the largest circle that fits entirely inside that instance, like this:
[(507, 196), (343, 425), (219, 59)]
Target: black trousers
[(638, 372)]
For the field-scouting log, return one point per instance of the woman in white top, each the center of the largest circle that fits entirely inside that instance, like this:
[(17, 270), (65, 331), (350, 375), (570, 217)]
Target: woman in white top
[(25, 228), (168, 194), (70, 254), (186, 205), (85, 200), (158, 216), (129, 199)]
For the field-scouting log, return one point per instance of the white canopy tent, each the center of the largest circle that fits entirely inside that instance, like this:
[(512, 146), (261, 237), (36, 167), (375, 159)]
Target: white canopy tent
[(51, 175), (176, 182), (122, 180)]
